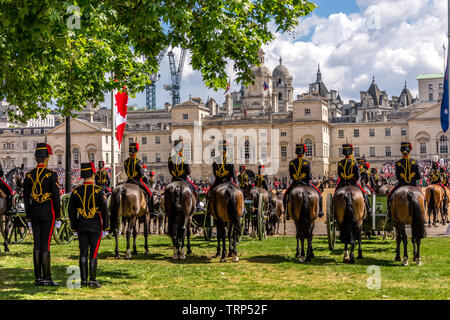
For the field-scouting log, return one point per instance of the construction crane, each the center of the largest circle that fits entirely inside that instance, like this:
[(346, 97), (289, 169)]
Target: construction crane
[(150, 91), (175, 76)]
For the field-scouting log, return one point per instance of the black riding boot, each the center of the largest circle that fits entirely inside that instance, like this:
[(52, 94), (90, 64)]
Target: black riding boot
[(84, 271), (320, 207), (37, 268), (93, 274), (366, 200), (47, 274)]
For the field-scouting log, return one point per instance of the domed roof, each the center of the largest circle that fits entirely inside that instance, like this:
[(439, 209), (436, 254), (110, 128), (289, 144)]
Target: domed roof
[(281, 71), (261, 71)]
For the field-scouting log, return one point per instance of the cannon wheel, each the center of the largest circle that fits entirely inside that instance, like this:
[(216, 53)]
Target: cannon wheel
[(64, 234), (262, 207), (331, 223), (18, 228)]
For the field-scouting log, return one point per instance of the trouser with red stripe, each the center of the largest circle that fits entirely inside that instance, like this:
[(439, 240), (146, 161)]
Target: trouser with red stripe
[(89, 243), (42, 222)]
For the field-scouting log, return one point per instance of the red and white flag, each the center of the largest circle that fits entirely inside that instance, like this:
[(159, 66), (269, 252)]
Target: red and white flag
[(121, 114)]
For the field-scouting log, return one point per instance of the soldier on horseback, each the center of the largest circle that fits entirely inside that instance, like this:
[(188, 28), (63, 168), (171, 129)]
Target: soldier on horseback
[(406, 170), (300, 172), (243, 177), (260, 180), (179, 169), (223, 168), (438, 176), (135, 172), (366, 178), (6, 190), (88, 214), (348, 173), (101, 177)]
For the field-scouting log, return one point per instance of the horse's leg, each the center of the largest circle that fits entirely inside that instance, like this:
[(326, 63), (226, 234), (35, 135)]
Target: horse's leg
[(7, 223), (235, 241), (297, 252), (137, 226), (219, 236), (116, 237), (309, 252), (224, 244), (302, 254), (418, 258), (360, 255), (230, 243), (146, 232), (346, 255), (128, 236), (352, 253), (399, 240), (405, 245), (414, 248)]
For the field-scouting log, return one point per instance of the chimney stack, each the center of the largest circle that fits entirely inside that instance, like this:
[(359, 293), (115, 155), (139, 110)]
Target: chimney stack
[(228, 104)]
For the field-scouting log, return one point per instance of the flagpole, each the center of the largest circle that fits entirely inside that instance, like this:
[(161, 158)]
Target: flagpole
[(113, 137)]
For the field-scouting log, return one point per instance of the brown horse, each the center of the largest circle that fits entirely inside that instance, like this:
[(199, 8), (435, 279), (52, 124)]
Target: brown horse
[(444, 209), (276, 214), (408, 208), (434, 196), (349, 210), (384, 189), (129, 204), (226, 205), (179, 202), (303, 207)]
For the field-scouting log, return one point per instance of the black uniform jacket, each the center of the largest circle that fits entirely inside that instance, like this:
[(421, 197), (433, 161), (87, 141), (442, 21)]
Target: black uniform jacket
[(87, 209), (102, 178), (133, 168), (300, 170), (407, 171), (348, 172), (41, 194), (223, 169), (178, 168)]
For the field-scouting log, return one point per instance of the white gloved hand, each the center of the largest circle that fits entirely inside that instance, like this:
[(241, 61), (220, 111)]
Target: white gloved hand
[(104, 234), (29, 224), (57, 224)]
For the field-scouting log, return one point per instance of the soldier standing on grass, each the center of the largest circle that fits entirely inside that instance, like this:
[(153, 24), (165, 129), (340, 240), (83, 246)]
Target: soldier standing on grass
[(43, 208), (89, 217)]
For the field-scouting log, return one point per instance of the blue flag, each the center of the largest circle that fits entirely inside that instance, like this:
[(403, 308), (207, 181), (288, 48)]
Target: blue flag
[(444, 105)]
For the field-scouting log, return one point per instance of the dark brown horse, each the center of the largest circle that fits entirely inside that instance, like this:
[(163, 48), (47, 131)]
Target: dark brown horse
[(303, 207), (434, 196), (179, 202), (408, 208), (226, 204), (276, 213), (349, 211), (129, 204)]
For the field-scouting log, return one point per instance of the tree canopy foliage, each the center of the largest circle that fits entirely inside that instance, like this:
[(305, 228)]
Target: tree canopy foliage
[(61, 52)]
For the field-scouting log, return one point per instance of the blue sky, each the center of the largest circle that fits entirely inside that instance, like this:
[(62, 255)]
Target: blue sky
[(393, 40)]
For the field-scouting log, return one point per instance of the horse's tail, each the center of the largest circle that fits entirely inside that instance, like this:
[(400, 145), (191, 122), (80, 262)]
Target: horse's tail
[(418, 222), (232, 208), (116, 201), (304, 222), (348, 223), (176, 218)]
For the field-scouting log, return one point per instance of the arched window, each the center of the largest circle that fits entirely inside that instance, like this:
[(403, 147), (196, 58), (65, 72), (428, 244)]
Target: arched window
[(443, 145), (309, 148), (76, 156), (280, 96), (279, 82)]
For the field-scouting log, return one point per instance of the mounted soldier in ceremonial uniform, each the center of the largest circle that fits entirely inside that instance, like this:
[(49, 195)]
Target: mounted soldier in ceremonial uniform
[(407, 171), (438, 176), (260, 180), (43, 208), (135, 172), (348, 173), (243, 177), (88, 214), (179, 169), (6, 190), (223, 168), (300, 172), (102, 178)]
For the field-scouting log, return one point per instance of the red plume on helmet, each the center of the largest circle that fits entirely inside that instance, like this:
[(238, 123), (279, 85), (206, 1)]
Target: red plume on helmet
[(93, 167), (49, 149)]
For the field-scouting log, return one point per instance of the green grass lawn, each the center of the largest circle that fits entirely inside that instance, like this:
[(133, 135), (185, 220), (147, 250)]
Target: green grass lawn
[(266, 270)]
